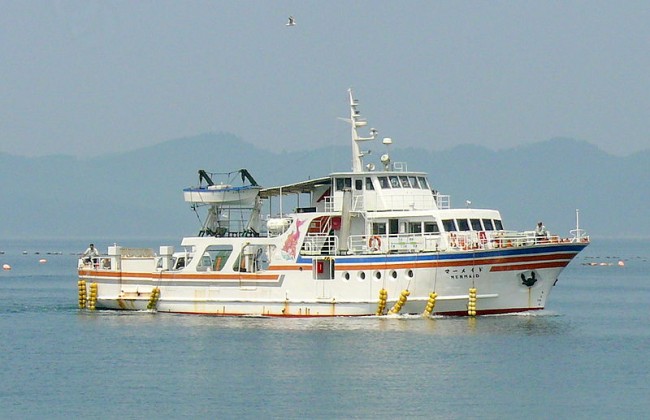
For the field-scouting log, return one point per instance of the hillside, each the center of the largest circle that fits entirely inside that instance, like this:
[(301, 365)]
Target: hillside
[(138, 194)]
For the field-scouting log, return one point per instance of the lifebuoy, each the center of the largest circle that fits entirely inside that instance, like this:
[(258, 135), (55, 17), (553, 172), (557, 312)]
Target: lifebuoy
[(452, 240), (374, 243)]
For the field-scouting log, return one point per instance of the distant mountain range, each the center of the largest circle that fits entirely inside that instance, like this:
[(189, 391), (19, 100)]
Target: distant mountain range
[(138, 194)]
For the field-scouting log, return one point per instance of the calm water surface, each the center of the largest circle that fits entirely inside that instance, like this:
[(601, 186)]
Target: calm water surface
[(585, 356)]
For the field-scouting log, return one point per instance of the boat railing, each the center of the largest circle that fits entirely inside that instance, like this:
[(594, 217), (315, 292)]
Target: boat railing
[(320, 244), (101, 262), (481, 240), (396, 243), (443, 201)]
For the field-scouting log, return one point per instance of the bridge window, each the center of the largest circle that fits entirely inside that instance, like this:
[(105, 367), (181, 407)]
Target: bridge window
[(404, 181), (383, 182), (476, 224), (449, 225), (497, 224), (358, 184), (394, 182), (423, 182), (414, 182), (342, 183), (463, 225), (369, 186), (487, 224)]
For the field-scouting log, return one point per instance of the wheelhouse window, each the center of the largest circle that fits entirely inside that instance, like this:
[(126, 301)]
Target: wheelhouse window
[(423, 182), (414, 182), (497, 224), (476, 224), (463, 225), (394, 181), (369, 186), (404, 181), (358, 184), (342, 183), (487, 224), (449, 225), (383, 182)]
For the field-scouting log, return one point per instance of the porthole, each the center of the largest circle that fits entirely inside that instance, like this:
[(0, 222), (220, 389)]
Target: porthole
[(361, 276), (346, 276), (377, 275), (409, 274), (393, 274)]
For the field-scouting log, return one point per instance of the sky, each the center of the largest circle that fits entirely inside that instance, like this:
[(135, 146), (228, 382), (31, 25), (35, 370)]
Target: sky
[(86, 78)]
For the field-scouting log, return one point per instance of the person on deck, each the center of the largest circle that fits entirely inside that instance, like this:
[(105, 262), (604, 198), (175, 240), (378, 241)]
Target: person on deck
[(90, 254), (540, 232)]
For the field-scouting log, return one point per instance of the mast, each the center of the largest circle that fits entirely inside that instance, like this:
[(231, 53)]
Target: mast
[(357, 121)]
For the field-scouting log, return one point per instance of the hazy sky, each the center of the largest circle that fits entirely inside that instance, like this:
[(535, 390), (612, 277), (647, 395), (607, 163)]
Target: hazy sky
[(90, 77)]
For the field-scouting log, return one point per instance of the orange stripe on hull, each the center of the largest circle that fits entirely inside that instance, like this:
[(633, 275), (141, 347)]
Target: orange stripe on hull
[(551, 264)]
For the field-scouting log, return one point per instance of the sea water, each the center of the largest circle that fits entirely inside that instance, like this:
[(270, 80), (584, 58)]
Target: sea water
[(585, 356)]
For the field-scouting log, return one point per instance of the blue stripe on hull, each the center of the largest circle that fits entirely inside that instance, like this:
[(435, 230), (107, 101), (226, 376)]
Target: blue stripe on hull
[(442, 256)]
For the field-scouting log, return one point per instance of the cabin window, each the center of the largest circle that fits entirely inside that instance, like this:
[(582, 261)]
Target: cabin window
[(415, 227), (379, 228), (487, 224), (497, 224), (358, 184), (404, 180), (462, 225), (342, 183), (393, 226), (476, 224), (394, 181), (431, 227), (214, 258), (369, 186), (383, 182), (449, 225), (178, 263), (423, 182), (414, 182)]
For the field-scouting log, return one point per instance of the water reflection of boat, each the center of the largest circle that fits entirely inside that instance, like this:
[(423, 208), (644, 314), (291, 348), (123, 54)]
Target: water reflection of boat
[(368, 241)]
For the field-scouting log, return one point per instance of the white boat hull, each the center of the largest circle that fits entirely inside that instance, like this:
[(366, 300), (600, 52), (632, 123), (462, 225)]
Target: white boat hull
[(292, 291)]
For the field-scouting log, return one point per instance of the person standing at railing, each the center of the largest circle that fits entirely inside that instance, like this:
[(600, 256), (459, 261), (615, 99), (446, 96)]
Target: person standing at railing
[(540, 232), (90, 254)]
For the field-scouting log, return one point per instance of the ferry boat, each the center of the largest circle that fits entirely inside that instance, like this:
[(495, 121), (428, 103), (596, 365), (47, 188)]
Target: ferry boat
[(377, 240)]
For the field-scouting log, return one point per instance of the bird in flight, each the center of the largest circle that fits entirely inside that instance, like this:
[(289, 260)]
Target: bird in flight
[(292, 21)]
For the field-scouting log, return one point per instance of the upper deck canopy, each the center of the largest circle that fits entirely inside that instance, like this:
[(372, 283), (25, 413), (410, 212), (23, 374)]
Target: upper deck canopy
[(303, 187)]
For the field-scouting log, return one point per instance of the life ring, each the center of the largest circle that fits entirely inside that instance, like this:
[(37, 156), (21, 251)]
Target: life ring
[(452, 240), (374, 243)]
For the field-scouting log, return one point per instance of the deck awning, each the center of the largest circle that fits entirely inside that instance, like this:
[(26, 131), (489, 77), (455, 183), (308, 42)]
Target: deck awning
[(304, 187)]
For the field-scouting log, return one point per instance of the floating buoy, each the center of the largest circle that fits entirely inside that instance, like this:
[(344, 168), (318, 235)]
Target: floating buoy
[(42, 261), (6, 267), (621, 263)]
